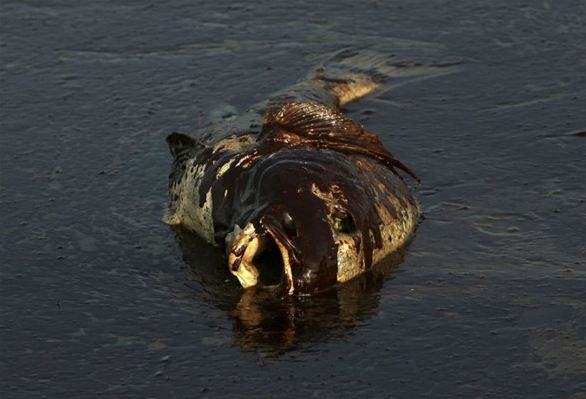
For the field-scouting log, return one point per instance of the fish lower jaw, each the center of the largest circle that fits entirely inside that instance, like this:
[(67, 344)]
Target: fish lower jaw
[(260, 260)]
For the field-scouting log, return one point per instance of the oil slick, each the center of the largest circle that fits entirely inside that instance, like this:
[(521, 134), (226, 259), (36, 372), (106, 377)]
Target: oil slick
[(309, 198)]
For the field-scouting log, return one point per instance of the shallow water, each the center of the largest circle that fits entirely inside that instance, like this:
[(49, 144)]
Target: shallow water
[(99, 298)]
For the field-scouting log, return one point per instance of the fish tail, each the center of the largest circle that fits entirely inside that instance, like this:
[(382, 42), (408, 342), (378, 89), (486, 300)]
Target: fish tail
[(350, 75)]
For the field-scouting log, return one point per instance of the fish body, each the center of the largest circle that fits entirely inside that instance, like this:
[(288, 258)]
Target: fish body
[(300, 196)]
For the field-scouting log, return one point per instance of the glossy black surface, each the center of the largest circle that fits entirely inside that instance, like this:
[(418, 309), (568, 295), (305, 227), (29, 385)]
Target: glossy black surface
[(97, 299)]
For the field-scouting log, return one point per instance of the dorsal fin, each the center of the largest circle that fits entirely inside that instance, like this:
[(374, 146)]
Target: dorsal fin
[(313, 120), (320, 126)]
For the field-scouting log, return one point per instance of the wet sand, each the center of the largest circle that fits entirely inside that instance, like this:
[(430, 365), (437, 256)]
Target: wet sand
[(100, 298)]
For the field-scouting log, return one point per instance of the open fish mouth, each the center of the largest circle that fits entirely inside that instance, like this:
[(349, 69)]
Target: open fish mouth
[(260, 259)]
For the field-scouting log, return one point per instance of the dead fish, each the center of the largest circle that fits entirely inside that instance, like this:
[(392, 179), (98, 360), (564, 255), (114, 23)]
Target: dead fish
[(300, 196)]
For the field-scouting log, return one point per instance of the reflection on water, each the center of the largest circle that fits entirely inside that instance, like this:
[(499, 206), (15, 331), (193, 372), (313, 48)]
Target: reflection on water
[(267, 323)]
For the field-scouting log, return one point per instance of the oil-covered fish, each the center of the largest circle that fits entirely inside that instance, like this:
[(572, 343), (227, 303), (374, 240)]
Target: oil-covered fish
[(300, 196)]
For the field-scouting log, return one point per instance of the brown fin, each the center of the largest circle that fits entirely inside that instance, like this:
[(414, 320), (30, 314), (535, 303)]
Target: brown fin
[(316, 121), (317, 125)]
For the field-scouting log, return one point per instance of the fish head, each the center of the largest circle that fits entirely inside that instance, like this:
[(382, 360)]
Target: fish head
[(311, 221)]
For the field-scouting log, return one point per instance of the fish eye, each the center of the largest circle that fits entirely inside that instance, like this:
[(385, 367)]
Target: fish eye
[(289, 224), (343, 222)]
